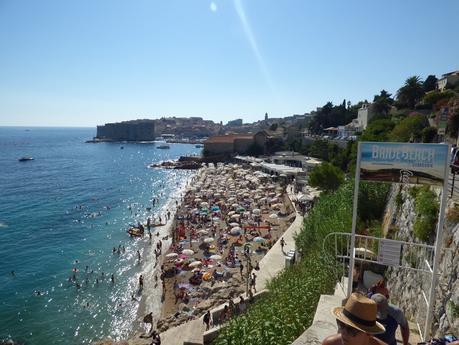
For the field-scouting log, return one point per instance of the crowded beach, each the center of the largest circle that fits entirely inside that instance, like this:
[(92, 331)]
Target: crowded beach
[(229, 218)]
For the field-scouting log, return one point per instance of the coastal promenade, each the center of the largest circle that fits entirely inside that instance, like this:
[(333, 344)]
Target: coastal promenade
[(270, 265)]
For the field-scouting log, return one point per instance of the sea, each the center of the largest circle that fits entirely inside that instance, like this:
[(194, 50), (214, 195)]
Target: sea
[(61, 215)]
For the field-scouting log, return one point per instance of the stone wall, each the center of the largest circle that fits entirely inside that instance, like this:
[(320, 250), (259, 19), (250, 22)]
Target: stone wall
[(405, 285)]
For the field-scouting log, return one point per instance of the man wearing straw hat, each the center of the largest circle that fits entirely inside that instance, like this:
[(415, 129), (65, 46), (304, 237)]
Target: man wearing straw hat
[(356, 323)]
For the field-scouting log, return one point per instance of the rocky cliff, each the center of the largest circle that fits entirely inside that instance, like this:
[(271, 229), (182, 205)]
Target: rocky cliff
[(408, 287)]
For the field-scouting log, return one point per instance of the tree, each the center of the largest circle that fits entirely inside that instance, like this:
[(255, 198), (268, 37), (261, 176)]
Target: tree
[(378, 130), (410, 128), (326, 177), (430, 83), (383, 102), (428, 134), (411, 92)]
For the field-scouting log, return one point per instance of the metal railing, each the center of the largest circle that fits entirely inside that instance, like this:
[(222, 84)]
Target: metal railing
[(399, 254)]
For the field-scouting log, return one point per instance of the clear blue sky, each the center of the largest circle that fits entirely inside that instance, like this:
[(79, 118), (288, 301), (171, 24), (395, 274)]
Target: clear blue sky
[(87, 62)]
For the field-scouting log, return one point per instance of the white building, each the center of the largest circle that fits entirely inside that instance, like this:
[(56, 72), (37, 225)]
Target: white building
[(364, 116), (449, 79)]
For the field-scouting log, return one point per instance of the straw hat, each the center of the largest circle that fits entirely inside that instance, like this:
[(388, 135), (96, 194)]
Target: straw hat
[(359, 312)]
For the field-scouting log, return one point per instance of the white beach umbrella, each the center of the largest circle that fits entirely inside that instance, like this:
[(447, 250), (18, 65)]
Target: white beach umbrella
[(187, 252), (256, 211), (273, 216), (230, 213), (203, 232), (195, 264), (209, 240), (204, 204), (216, 257), (235, 232), (236, 229), (171, 255), (235, 216), (234, 224), (197, 200)]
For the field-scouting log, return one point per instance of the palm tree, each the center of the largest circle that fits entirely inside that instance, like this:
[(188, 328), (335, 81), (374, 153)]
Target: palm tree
[(411, 92), (382, 102)]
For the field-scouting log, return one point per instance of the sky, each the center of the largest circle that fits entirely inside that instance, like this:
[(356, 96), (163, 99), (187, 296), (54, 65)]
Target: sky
[(89, 62)]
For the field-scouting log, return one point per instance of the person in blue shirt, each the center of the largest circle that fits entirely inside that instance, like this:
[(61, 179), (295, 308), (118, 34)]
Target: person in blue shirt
[(391, 317)]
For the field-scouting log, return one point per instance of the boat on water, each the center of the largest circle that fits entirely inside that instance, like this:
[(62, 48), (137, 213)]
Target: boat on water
[(165, 146), (199, 146), (25, 159)]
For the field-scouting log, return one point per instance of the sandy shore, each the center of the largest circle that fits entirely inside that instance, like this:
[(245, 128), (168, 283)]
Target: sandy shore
[(226, 212)]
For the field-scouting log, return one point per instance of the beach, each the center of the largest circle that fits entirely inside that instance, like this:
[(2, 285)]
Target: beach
[(228, 217)]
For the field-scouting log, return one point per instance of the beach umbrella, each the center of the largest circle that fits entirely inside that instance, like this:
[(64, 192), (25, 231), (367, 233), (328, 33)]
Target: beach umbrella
[(273, 216), (215, 209), (235, 231), (171, 255), (187, 252), (256, 211), (240, 209), (204, 204), (209, 240), (195, 264), (234, 216), (216, 257), (197, 200), (230, 213), (203, 232), (215, 219), (258, 239), (235, 205), (234, 224)]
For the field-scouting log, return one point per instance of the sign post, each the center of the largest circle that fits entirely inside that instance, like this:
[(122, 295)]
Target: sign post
[(405, 163)]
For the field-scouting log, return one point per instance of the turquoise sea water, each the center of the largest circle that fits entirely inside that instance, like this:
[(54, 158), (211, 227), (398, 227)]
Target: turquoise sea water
[(66, 210)]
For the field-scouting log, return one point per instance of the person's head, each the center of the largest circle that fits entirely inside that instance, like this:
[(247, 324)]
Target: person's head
[(357, 320), (382, 305)]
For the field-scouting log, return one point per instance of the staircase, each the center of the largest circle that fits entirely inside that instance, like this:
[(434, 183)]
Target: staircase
[(324, 323)]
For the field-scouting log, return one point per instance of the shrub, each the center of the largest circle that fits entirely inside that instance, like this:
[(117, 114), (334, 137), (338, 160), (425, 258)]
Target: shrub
[(426, 207), (326, 177)]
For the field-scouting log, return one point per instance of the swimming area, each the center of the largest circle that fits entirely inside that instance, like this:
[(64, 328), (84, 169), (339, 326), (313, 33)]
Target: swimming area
[(66, 210)]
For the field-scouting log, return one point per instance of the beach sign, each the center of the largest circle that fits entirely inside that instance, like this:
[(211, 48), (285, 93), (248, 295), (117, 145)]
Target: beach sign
[(403, 162)]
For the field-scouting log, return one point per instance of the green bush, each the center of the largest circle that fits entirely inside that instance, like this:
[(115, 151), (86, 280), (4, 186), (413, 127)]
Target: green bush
[(326, 177), (426, 207)]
